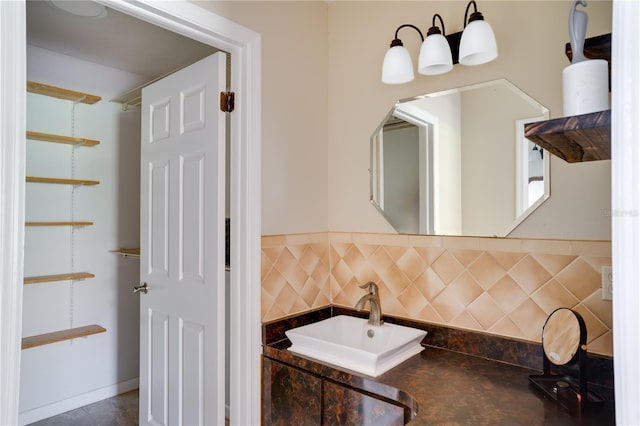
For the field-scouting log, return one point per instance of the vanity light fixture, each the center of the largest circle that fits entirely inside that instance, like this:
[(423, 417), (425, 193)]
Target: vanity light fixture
[(475, 45)]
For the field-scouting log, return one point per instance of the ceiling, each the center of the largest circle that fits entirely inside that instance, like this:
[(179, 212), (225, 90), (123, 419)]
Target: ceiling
[(115, 40)]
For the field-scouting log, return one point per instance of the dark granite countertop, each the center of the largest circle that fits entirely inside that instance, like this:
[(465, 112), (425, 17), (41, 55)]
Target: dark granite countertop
[(443, 387)]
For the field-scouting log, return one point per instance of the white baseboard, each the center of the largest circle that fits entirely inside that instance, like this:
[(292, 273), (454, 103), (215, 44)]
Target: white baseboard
[(68, 404)]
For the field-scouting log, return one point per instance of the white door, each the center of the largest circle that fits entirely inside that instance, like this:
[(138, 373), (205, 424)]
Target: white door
[(182, 377)]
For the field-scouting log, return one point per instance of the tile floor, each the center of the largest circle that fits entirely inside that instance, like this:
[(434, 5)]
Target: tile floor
[(121, 410)]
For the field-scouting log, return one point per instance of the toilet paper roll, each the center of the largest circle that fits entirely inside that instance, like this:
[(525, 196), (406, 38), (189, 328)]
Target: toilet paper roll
[(585, 87)]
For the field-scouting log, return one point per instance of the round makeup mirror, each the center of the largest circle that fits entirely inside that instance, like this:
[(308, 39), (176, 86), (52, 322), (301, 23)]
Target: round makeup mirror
[(563, 334)]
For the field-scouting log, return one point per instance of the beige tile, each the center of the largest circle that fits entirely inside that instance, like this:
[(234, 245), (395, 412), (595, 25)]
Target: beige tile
[(466, 257), (466, 321), (554, 263), (580, 278), (429, 284), (465, 288), (395, 279), (273, 253), (266, 301), (355, 260), (308, 260), (447, 267), (286, 298), (394, 240), (309, 293), (273, 282), (512, 245), (342, 273), (428, 254), (411, 264), (591, 248), (289, 267), (447, 305), (412, 300), (595, 327), (334, 257), (485, 311), (507, 259), (602, 309), (380, 260), (506, 327), (529, 318), (268, 241), (306, 239), (265, 265), (274, 313), (461, 243), (340, 238), (553, 295), (547, 246), (597, 262), (339, 249), (529, 274), (429, 314), (507, 294), (395, 252), (366, 239), (603, 345), (486, 270), (367, 249), (425, 241)]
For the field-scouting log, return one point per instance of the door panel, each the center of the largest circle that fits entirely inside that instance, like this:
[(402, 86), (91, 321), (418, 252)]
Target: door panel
[(182, 247)]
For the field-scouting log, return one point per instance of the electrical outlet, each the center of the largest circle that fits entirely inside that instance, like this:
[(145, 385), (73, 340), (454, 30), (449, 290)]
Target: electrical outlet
[(607, 283)]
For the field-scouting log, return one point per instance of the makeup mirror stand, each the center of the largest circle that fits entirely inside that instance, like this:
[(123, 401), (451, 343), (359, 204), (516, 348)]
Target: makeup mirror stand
[(567, 383)]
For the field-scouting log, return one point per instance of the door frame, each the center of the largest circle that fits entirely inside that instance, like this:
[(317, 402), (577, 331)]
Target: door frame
[(197, 23)]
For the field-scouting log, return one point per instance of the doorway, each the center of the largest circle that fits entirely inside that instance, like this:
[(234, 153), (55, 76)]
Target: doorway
[(245, 126)]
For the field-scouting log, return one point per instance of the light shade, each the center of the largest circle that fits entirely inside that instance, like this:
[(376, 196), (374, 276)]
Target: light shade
[(397, 67), (435, 55), (478, 44)]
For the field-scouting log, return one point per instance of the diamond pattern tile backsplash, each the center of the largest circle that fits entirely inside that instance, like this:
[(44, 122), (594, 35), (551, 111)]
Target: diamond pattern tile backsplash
[(505, 287)]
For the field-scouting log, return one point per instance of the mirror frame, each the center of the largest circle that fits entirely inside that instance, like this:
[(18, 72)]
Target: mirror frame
[(374, 165)]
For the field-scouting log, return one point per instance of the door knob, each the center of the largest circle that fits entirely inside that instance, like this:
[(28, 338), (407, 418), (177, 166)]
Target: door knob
[(141, 288)]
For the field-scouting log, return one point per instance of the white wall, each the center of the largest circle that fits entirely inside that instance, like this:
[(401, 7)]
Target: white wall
[(61, 376)]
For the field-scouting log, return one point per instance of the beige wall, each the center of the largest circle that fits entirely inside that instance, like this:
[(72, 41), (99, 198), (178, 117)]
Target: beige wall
[(294, 109), (531, 36)]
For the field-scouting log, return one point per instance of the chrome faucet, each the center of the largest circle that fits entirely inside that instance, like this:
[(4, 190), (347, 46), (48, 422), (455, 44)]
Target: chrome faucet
[(375, 313)]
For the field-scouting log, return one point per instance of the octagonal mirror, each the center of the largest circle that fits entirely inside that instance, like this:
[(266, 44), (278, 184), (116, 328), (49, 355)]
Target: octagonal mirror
[(457, 162)]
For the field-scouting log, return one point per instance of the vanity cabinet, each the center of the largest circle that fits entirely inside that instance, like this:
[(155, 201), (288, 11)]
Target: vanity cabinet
[(294, 396)]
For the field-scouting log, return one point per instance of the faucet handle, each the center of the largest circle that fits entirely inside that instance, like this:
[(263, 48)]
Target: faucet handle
[(370, 287)]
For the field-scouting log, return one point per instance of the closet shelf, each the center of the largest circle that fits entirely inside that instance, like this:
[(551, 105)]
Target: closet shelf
[(128, 252), (59, 336), (577, 138), (58, 223), (68, 140), (72, 276), (60, 93), (62, 181)]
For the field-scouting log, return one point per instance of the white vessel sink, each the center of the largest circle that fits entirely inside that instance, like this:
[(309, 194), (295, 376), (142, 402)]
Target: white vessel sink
[(354, 344)]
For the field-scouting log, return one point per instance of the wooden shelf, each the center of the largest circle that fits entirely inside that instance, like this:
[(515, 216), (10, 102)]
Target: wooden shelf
[(60, 93), (58, 223), (578, 138), (128, 252), (59, 336), (73, 276), (62, 181), (68, 140)]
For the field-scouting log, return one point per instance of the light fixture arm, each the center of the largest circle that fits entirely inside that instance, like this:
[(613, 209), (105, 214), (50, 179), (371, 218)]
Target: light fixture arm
[(434, 29), (397, 42), (475, 16)]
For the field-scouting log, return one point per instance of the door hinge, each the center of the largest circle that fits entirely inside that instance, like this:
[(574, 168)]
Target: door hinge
[(227, 101)]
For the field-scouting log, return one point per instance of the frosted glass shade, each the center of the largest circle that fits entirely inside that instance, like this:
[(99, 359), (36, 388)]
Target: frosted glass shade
[(478, 44), (435, 56), (397, 67)]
